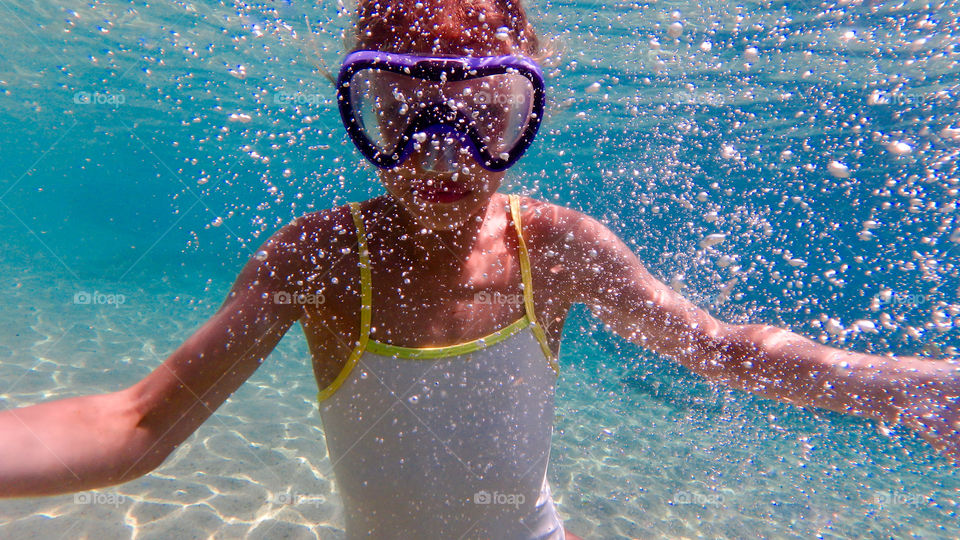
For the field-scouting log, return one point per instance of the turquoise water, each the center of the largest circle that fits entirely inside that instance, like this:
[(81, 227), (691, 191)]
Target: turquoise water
[(148, 149)]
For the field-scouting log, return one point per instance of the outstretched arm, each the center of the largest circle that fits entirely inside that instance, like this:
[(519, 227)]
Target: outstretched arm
[(95, 441), (770, 361)]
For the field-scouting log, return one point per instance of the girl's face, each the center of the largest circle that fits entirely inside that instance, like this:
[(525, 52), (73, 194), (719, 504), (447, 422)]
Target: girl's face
[(441, 185)]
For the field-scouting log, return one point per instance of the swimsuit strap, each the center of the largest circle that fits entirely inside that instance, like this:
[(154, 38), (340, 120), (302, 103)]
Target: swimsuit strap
[(366, 301), (366, 289), (527, 277)]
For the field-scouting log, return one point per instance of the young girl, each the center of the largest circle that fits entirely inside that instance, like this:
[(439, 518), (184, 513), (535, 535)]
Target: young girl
[(434, 312)]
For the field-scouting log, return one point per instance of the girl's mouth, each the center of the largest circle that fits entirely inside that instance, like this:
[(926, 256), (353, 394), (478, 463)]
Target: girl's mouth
[(438, 190)]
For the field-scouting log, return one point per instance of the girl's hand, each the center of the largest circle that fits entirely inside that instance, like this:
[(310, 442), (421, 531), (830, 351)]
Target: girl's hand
[(932, 408)]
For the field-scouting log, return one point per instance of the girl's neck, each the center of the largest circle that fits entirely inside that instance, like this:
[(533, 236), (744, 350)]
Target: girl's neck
[(397, 226)]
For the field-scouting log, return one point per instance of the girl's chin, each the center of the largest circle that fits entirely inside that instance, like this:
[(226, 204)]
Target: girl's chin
[(440, 190), (436, 196)]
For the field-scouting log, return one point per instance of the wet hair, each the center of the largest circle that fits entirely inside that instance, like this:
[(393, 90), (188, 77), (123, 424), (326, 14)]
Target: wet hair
[(463, 27)]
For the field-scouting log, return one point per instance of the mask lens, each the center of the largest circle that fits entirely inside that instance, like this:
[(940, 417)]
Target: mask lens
[(498, 107), (382, 105)]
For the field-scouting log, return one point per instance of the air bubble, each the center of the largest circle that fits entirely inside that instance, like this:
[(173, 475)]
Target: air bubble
[(712, 240), (675, 29), (838, 170)]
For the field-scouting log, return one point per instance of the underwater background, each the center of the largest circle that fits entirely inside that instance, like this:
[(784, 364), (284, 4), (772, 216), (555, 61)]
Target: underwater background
[(788, 163)]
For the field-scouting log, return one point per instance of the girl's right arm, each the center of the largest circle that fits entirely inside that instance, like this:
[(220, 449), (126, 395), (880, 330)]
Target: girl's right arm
[(590, 265), (95, 441)]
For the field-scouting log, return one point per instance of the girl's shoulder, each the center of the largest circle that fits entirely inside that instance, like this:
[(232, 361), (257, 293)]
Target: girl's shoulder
[(547, 224), (331, 226), (310, 240)]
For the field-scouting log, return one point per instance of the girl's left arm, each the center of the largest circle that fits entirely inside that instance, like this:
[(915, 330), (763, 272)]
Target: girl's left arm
[(606, 275)]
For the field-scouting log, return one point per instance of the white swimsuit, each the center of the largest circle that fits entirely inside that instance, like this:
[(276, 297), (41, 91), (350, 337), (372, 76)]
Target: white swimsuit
[(445, 442)]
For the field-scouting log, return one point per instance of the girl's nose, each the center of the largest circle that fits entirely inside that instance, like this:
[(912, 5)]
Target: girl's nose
[(439, 153)]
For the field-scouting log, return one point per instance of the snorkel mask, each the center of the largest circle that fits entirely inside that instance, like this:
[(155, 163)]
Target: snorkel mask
[(393, 104)]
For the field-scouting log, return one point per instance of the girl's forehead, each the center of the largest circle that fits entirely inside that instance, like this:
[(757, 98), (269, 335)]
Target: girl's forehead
[(456, 27), (445, 45), (440, 35)]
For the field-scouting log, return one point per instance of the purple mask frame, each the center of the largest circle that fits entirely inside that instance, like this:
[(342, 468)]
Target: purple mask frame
[(430, 120)]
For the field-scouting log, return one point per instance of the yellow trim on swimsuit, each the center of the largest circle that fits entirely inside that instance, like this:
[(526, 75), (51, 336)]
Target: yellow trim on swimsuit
[(527, 277), (424, 353), (427, 353), (366, 303)]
